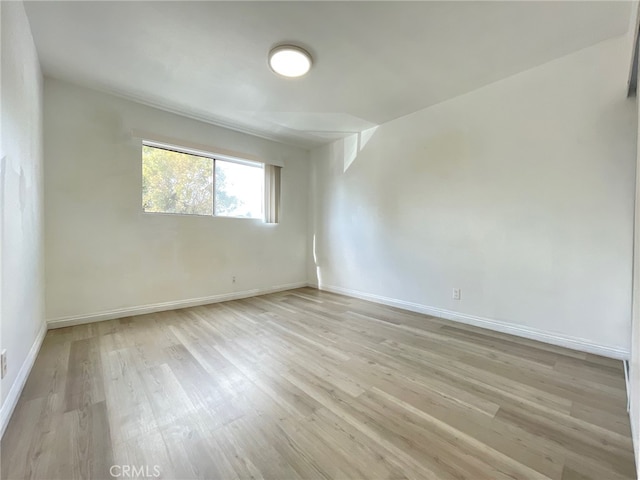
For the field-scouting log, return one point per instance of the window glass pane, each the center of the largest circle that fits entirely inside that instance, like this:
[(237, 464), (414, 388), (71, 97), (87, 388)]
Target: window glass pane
[(174, 182), (238, 190)]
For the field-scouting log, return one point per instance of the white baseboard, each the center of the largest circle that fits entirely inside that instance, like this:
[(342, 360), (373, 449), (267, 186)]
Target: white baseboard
[(627, 383), (159, 307), (573, 343), (16, 389)]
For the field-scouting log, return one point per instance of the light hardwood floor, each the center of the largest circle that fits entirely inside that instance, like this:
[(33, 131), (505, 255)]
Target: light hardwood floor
[(307, 384)]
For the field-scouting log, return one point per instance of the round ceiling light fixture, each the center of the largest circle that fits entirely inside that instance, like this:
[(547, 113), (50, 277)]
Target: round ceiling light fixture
[(290, 61)]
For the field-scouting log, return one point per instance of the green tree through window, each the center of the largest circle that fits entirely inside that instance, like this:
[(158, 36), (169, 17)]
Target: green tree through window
[(176, 182)]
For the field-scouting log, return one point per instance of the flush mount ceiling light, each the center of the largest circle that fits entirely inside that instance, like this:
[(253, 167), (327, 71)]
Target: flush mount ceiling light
[(289, 61)]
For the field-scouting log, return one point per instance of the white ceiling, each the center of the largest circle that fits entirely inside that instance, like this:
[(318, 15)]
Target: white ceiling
[(374, 61)]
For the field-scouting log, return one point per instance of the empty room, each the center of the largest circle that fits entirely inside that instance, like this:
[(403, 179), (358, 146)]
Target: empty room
[(319, 240)]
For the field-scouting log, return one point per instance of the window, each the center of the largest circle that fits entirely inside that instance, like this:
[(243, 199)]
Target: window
[(238, 190), (175, 181)]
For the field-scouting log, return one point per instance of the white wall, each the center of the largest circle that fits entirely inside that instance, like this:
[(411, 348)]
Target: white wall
[(104, 257), (21, 209), (519, 193), (635, 331), (634, 372)]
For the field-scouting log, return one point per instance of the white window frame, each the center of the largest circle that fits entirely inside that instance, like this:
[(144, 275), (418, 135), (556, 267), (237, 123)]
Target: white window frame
[(213, 157)]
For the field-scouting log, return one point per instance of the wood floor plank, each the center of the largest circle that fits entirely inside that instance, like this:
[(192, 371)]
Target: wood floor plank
[(130, 413), (25, 437), (618, 423), (90, 438), (306, 384), (146, 453), (578, 440), (460, 448), (193, 452), (84, 374), (49, 373)]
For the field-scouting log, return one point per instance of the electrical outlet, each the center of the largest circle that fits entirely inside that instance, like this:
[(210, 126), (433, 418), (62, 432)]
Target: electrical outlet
[(233, 279), (456, 294), (3, 364)]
